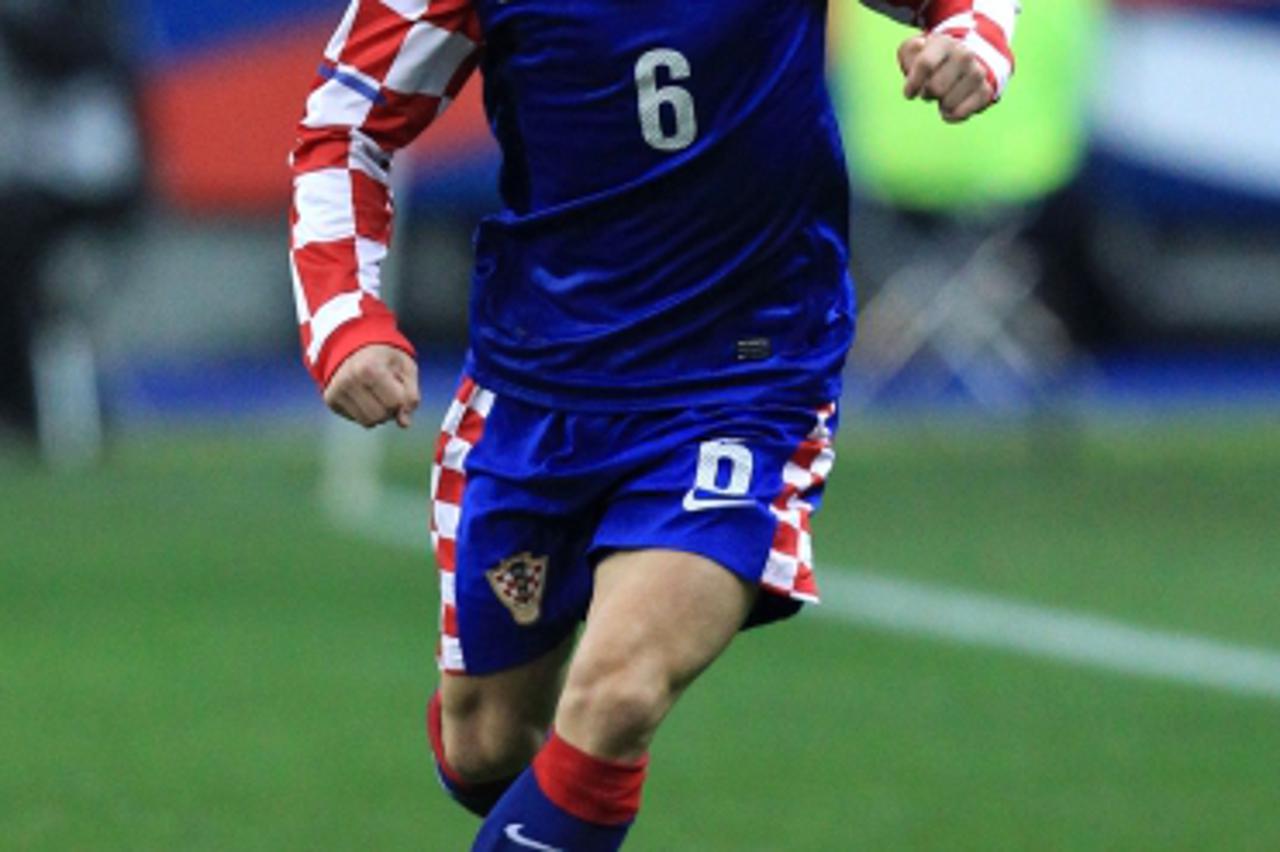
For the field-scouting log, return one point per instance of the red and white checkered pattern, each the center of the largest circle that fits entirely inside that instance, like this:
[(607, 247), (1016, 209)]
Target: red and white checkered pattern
[(522, 583), (390, 69), (984, 26), (789, 570), (519, 583), (462, 428)]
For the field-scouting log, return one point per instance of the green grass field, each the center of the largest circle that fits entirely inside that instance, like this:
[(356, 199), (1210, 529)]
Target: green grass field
[(193, 658)]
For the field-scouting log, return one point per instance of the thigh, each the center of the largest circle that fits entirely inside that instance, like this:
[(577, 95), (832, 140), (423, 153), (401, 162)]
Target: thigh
[(678, 608), (493, 724), (526, 692), (657, 619)]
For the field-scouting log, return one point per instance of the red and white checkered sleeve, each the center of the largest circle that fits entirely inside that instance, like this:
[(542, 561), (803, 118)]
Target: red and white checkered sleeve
[(391, 67), (984, 26)]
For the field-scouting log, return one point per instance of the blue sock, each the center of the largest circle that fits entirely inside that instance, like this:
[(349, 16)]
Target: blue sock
[(567, 801), (477, 798)]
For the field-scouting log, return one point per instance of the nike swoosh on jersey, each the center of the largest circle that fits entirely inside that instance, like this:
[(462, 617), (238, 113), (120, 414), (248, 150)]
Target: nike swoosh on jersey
[(693, 503), (515, 833)]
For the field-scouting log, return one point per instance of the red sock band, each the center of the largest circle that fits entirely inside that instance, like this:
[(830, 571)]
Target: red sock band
[(600, 791), (435, 733)]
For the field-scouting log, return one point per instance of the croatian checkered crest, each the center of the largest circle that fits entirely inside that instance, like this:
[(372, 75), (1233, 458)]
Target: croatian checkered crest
[(519, 582)]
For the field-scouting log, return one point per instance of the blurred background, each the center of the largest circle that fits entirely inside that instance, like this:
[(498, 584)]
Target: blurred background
[(1051, 547)]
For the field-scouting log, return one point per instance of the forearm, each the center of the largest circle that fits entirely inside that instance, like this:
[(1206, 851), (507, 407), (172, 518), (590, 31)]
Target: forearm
[(341, 230), (384, 78)]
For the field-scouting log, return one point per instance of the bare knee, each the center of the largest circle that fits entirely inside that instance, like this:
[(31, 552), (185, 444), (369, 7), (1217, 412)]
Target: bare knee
[(493, 725), (657, 619), (483, 745), (613, 707)]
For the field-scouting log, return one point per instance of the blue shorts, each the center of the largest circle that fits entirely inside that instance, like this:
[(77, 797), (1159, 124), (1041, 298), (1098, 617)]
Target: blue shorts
[(527, 500)]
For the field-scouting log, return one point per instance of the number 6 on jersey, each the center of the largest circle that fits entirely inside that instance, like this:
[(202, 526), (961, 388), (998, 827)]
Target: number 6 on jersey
[(651, 98)]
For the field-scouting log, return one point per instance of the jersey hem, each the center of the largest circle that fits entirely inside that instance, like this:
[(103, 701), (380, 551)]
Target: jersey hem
[(808, 394)]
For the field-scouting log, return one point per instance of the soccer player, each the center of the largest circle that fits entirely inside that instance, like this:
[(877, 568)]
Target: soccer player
[(659, 315)]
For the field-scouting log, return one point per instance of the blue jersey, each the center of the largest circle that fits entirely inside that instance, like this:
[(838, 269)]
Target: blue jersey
[(675, 199), (675, 214), (674, 222)]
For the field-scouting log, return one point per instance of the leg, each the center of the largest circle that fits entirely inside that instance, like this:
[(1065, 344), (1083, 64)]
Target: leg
[(500, 679), (733, 486), (485, 729), (657, 619), (494, 724)]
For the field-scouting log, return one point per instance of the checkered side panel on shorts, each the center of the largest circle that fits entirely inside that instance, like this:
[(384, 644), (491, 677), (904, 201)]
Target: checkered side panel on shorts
[(789, 570), (390, 69), (463, 426)]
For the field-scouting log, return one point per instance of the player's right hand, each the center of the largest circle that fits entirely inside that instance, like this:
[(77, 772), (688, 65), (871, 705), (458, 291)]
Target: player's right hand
[(375, 384)]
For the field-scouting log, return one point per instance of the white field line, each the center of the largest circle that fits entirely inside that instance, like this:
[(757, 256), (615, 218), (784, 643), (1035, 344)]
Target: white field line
[(968, 618), (903, 606)]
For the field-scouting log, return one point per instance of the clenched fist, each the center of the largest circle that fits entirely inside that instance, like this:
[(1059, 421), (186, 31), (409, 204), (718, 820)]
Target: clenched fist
[(375, 384), (940, 68)]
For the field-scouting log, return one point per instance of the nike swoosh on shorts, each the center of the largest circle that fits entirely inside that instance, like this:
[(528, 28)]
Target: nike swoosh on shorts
[(693, 503)]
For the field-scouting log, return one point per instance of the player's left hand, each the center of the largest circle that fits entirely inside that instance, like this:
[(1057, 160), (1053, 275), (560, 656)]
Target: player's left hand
[(940, 68)]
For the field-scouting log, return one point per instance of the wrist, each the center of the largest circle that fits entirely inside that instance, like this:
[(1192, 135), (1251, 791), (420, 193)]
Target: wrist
[(346, 339), (985, 28)]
